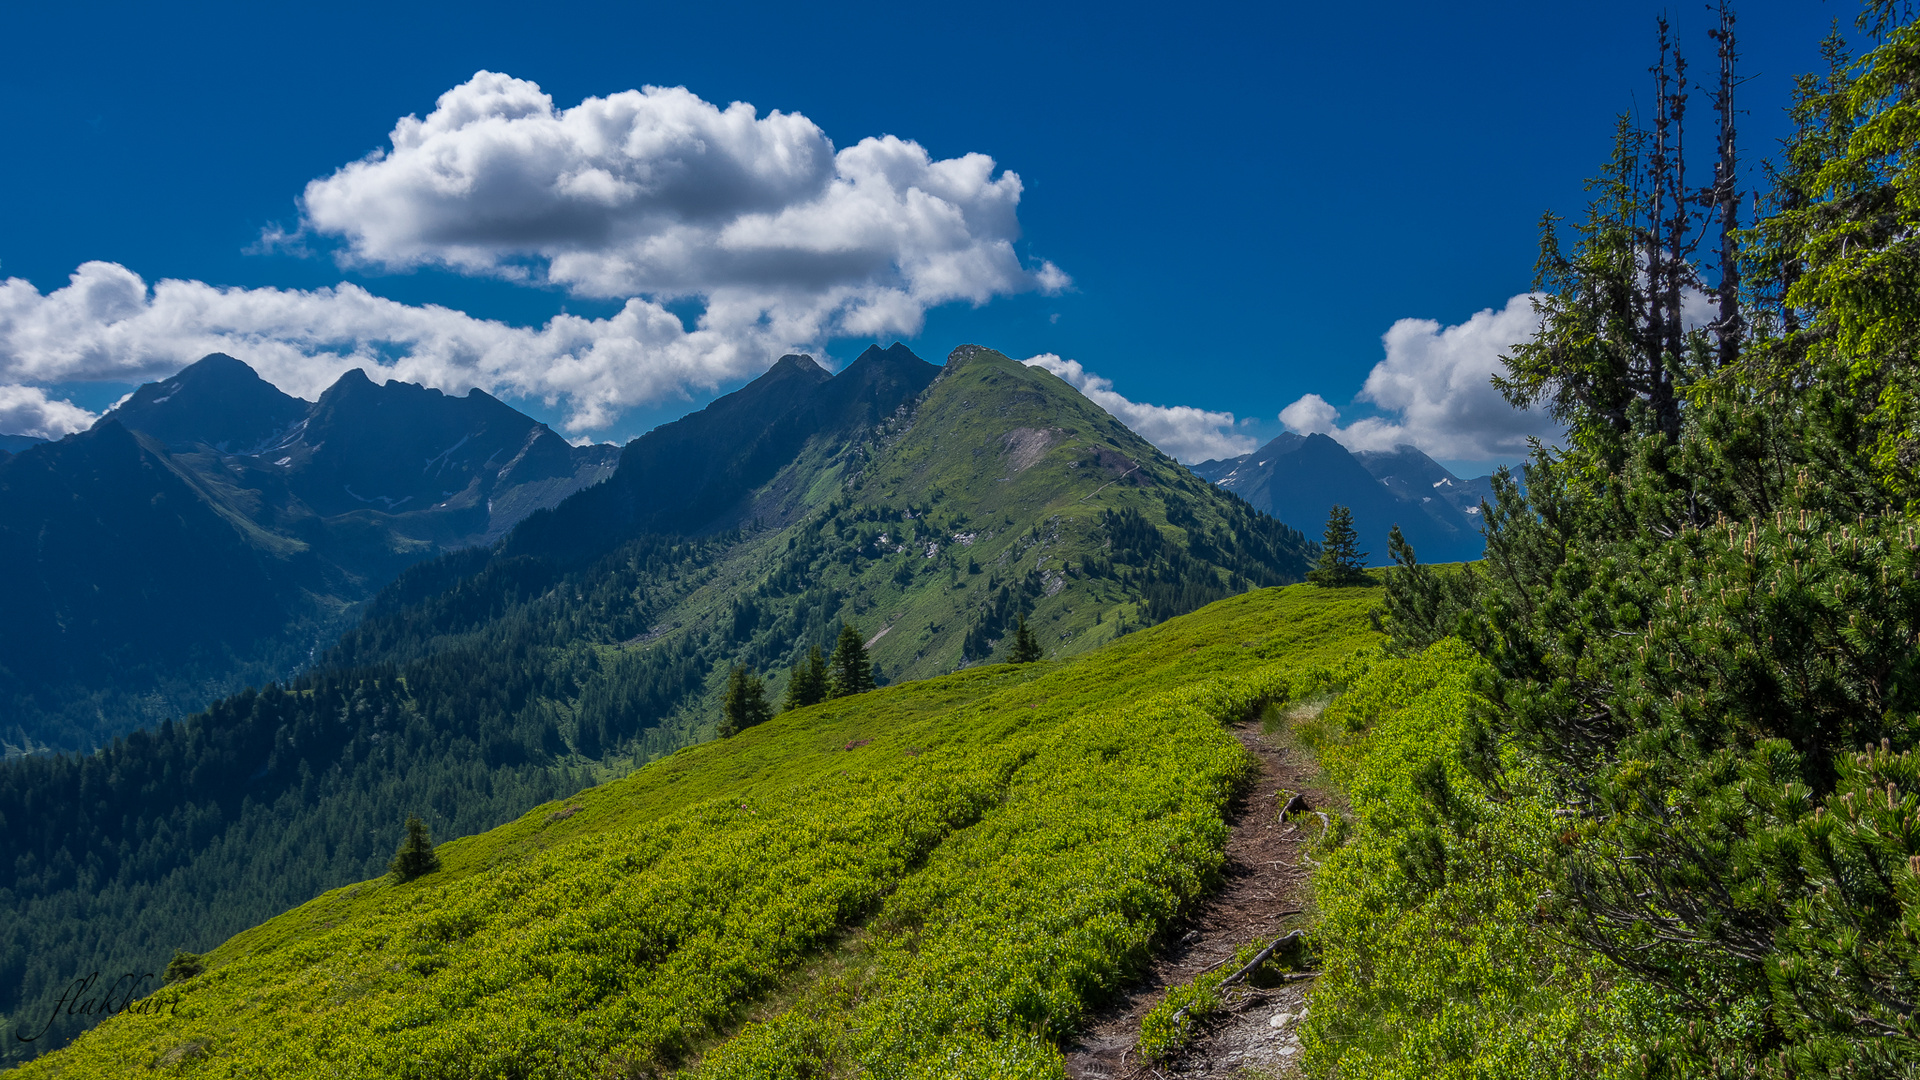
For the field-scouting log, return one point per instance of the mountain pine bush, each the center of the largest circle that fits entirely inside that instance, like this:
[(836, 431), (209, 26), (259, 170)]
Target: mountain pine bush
[(1696, 623)]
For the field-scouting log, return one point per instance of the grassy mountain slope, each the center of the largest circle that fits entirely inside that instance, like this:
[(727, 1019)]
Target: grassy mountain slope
[(937, 878), (490, 680), (999, 492)]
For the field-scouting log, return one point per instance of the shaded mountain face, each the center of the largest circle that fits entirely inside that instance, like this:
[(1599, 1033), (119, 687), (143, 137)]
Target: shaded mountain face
[(701, 472), (403, 449), (216, 401), (13, 444), (213, 532), (1414, 476), (113, 561), (1300, 478), (450, 471)]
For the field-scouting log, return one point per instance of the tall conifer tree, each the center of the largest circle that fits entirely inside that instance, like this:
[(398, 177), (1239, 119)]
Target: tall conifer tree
[(745, 704), (415, 856), (1340, 561), (851, 670), (1026, 647), (808, 683)]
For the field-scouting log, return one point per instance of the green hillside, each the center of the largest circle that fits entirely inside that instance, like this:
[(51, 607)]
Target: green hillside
[(932, 879), (1635, 797), (930, 513), (1001, 492)]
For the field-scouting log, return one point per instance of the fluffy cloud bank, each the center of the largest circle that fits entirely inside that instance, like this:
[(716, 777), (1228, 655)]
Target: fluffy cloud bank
[(1183, 432), (107, 324), (650, 195), (26, 410), (1436, 392), (655, 192)]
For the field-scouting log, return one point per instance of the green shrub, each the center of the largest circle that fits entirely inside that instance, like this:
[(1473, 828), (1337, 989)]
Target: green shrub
[(1435, 960), (184, 965)]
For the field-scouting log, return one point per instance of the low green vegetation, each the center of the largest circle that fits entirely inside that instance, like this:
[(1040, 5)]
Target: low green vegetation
[(1434, 957), (940, 878)]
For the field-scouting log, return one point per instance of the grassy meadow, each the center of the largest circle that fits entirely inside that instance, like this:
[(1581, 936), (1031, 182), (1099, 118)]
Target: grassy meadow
[(940, 878)]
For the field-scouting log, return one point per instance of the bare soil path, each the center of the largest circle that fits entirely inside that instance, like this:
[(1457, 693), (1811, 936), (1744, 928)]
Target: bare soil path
[(1264, 893)]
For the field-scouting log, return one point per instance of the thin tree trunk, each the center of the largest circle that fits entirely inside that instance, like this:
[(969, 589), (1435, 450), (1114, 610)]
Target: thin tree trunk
[(1726, 195)]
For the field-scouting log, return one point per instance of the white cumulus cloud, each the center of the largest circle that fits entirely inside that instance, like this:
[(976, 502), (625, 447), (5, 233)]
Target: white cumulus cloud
[(26, 410), (108, 324), (1183, 432), (653, 196), (1309, 415), (655, 192), (1435, 391)]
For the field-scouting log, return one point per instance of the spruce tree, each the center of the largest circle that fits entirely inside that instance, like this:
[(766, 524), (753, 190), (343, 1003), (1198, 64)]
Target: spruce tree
[(1340, 564), (1026, 647), (745, 704), (415, 856), (807, 685), (852, 671)]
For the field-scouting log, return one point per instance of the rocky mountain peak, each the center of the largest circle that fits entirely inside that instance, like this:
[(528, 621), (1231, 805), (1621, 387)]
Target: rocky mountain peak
[(218, 402)]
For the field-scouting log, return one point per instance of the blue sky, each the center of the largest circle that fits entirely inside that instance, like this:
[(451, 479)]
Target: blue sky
[(1219, 207)]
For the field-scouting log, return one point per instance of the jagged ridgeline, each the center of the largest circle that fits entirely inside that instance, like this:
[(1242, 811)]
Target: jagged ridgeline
[(211, 533), (929, 507)]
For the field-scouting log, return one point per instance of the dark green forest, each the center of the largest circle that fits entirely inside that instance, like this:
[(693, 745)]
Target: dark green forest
[(1700, 621)]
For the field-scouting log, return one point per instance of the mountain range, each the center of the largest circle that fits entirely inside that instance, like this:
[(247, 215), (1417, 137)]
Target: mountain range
[(212, 532), (1300, 478), (932, 508)]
